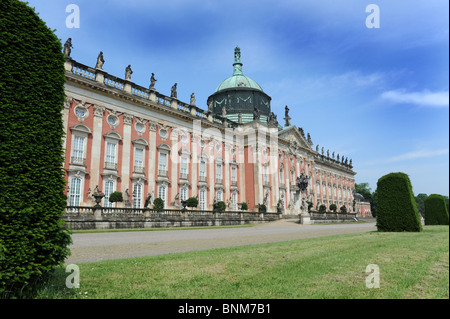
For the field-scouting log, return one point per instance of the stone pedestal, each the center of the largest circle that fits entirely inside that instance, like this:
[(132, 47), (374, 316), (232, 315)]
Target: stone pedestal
[(305, 219)]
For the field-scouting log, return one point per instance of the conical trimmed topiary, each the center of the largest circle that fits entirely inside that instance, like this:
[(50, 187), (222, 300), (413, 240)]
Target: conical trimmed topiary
[(396, 208)]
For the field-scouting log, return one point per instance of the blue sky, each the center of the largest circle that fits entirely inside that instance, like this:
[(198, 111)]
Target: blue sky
[(379, 96)]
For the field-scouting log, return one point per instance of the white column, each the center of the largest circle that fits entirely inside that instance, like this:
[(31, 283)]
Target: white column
[(152, 159), (96, 161), (125, 173)]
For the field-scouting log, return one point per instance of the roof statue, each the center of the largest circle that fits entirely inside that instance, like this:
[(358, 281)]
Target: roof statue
[(128, 72), (67, 47), (152, 82), (100, 61), (173, 92)]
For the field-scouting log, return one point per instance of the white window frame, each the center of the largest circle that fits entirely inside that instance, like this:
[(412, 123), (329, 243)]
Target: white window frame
[(80, 133), (219, 175), (219, 195), (109, 187), (75, 190), (138, 190), (202, 169), (234, 201), (162, 164), (202, 199), (162, 193), (79, 146), (139, 162), (183, 193), (233, 174), (111, 154)]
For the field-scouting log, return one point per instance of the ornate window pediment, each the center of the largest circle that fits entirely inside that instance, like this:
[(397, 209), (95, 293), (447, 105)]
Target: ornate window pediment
[(81, 128)]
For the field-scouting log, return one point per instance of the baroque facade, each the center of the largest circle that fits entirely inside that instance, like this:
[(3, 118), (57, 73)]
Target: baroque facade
[(132, 139)]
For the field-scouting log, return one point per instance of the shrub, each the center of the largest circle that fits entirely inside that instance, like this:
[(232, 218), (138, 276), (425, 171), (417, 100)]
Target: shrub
[(322, 209), (244, 206), (343, 209), (192, 202), (32, 200), (158, 204), (262, 208), (436, 212), (116, 197), (220, 206), (333, 208), (397, 208)]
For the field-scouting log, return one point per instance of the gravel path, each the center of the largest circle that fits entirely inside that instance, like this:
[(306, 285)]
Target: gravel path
[(105, 246)]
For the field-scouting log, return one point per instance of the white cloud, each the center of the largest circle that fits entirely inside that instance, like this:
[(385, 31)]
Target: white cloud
[(424, 98), (418, 154), (358, 79)]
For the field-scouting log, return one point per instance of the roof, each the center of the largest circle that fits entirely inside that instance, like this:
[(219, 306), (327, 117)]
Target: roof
[(238, 79)]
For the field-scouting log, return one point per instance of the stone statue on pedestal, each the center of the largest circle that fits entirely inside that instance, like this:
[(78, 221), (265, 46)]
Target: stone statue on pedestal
[(173, 92), (152, 81), (67, 47), (128, 72), (100, 61)]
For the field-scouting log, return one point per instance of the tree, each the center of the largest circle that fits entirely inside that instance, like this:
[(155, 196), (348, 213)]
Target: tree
[(420, 200), (322, 209), (116, 197), (436, 212), (158, 204), (333, 208), (192, 202), (244, 206), (33, 236), (397, 209), (220, 206), (343, 209), (364, 190)]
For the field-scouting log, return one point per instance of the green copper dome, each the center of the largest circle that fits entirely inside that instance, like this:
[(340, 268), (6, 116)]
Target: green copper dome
[(238, 79)]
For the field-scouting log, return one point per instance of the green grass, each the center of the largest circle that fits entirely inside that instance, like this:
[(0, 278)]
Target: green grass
[(412, 265)]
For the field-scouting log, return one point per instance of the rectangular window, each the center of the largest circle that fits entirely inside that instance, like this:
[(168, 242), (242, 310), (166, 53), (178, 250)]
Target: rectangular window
[(110, 156), (233, 175), (162, 191), (75, 191), (184, 193), (219, 173), (139, 160), (137, 195), (219, 195), (202, 172), (183, 168), (78, 150), (202, 199), (109, 189), (163, 164), (281, 178), (234, 201), (266, 175)]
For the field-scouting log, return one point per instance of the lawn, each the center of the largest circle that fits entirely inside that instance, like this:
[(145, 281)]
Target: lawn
[(411, 265)]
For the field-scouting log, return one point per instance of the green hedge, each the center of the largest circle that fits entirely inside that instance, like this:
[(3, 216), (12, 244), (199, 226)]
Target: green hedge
[(436, 212), (396, 208), (32, 235)]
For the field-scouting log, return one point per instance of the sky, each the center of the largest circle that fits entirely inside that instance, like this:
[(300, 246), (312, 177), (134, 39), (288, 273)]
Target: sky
[(372, 86)]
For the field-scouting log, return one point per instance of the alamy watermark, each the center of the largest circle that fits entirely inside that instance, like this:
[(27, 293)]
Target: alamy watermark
[(373, 19), (73, 19), (373, 278), (73, 279)]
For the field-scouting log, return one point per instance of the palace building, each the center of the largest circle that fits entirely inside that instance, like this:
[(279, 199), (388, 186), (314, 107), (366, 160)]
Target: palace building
[(124, 137)]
